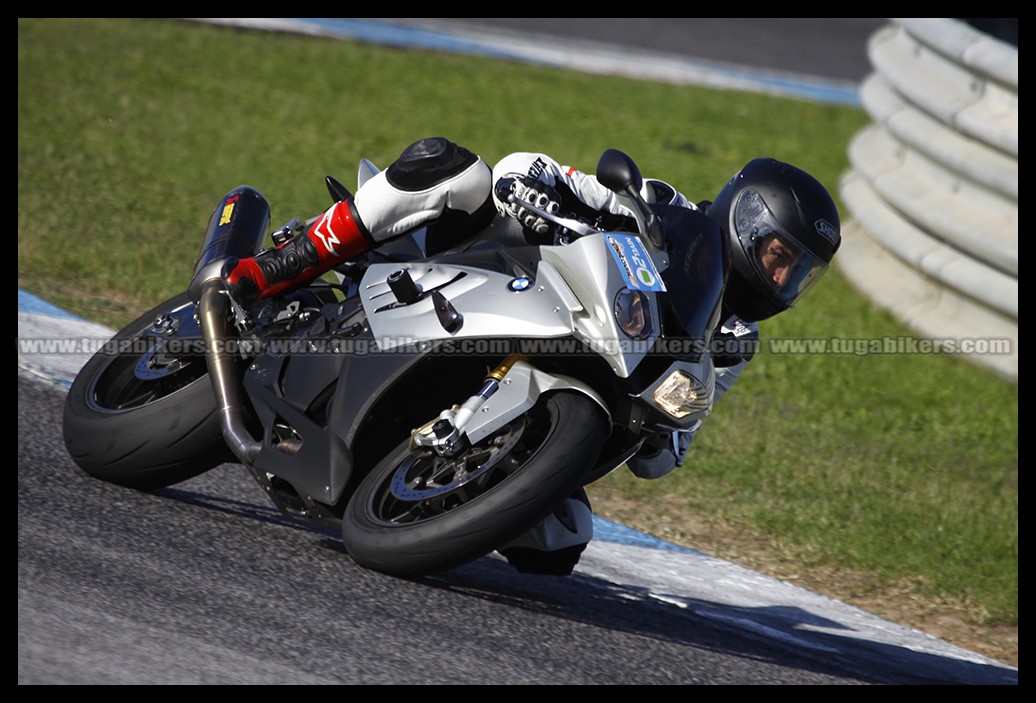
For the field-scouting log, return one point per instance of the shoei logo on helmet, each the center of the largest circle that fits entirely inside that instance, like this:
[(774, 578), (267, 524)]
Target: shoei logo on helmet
[(826, 230)]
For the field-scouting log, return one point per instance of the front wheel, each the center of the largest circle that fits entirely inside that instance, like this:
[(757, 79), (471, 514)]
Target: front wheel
[(141, 412), (417, 512)]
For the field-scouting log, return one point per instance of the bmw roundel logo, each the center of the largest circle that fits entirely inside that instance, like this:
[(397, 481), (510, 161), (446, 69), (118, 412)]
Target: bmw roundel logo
[(519, 284)]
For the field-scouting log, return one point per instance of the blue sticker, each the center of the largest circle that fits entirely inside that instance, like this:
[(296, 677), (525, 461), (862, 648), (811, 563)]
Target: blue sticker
[(634, 262)]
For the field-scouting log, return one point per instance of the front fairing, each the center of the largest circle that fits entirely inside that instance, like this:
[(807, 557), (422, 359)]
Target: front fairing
[(567, 291), (563, 298)]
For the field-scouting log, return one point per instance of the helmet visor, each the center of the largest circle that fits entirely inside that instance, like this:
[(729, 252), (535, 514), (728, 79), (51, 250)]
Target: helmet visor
[(779, 260)]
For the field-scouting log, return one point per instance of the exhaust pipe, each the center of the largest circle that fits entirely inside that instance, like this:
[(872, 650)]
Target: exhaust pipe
[(236, 229), (214, 317)]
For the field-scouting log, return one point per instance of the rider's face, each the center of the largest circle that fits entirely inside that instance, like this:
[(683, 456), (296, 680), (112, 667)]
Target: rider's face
[(776, 259)]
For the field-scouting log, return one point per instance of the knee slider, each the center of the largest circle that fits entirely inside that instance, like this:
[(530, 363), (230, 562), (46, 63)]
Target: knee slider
[(428, 162), (430, 176)]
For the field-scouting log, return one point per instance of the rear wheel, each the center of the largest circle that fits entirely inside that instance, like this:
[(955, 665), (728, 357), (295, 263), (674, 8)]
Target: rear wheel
[(418, 512), (141, 412)]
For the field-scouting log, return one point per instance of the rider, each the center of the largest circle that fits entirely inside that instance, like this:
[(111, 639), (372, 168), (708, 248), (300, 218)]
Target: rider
[(782, 225)]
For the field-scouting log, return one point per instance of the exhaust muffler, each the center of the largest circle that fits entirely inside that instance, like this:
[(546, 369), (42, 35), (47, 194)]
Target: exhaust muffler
[(237, 229)]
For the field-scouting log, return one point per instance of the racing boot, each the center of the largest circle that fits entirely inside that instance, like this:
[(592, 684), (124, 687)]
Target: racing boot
[(432, 180), (335, 237), (554, 546)]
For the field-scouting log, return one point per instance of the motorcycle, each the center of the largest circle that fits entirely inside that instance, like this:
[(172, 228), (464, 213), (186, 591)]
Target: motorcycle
[(432, 406)]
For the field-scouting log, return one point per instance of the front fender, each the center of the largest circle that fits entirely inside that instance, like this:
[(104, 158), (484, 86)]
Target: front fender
[(519, 390)]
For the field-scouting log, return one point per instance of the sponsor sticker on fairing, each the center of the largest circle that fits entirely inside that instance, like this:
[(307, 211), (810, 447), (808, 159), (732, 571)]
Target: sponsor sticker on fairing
[(634, 262)]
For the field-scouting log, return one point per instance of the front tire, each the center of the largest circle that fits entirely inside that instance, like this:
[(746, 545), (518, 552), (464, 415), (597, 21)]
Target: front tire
[(417, 513), (141, 412)]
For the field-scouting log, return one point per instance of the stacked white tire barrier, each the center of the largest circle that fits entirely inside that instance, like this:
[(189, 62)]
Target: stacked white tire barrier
[(932, 194)]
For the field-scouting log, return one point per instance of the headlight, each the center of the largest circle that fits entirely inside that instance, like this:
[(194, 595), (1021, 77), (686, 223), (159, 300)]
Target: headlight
[(681, 394), (633, 313)]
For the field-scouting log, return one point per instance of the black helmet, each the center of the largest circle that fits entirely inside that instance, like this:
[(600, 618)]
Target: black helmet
[(783, 228)]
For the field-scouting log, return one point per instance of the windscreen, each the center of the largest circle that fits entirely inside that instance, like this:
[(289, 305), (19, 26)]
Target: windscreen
[(697, 272)]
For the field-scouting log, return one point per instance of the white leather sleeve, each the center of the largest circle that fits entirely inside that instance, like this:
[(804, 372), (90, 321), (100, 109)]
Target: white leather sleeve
[(549, 171), (584, 186)]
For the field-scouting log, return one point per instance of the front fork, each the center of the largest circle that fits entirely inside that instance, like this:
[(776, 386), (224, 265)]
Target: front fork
[(509, 390), (445, 434)]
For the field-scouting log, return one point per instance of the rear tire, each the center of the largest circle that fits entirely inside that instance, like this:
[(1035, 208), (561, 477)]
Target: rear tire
[(417, 513), (142, 418)]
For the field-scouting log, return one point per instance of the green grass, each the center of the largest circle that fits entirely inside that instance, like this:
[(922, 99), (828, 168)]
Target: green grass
[(129, 132)]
